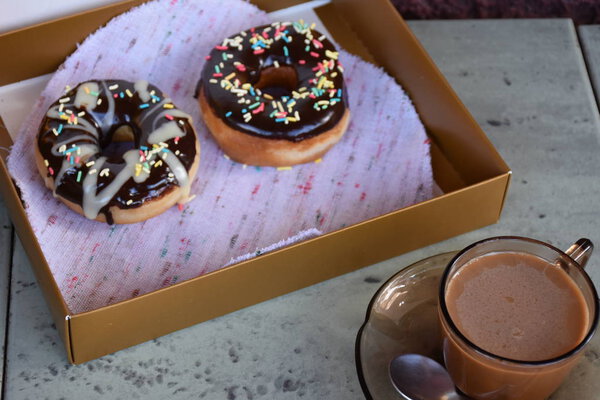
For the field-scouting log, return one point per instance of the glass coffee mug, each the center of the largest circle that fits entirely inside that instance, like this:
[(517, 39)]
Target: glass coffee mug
[(515, 315)]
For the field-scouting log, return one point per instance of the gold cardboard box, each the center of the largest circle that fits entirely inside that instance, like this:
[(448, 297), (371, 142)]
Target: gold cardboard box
[(472, 175)]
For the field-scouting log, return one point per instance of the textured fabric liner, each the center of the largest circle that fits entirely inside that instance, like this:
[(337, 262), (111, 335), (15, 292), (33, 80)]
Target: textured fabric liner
[(380, 165)]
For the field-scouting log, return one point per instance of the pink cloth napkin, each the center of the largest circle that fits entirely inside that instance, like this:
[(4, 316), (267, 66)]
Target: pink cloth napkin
[(381, 164)]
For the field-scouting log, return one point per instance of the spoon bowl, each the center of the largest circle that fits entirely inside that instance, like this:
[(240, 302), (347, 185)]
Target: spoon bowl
[(417, 377)]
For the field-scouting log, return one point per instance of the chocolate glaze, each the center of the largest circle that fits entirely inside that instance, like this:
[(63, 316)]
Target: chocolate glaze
[(293, 45), (142, 122)]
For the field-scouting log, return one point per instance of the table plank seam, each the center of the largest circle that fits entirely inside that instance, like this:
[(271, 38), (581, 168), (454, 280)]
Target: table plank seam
[(588, 68), (11, 246)]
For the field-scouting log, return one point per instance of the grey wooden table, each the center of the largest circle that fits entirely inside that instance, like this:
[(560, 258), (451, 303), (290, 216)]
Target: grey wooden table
[(528, 85)]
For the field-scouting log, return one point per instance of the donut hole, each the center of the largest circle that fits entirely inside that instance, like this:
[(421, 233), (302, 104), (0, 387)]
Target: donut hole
[(122, 140), (278, 82)]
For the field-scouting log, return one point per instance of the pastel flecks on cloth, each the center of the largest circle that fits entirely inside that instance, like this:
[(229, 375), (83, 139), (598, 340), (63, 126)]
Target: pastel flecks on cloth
[(380, 165)]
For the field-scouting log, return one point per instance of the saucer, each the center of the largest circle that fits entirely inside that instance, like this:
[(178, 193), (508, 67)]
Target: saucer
[(401, 318)]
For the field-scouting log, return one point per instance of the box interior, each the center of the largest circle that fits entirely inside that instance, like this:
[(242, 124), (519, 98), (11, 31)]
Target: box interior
[(22, 82), (459, 163)]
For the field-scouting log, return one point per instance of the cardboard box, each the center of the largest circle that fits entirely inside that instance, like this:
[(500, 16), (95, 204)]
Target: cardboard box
[(466, 167)]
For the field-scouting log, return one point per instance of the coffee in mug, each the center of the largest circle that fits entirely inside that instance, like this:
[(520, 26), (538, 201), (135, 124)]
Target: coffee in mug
[(515, 314)]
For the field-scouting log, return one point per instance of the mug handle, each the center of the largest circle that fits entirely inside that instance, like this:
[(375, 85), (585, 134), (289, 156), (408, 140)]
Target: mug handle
[(580, 251)]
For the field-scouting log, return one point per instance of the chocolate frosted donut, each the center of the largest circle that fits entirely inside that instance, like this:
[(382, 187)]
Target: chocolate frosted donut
[(274, 95), (117, 151)]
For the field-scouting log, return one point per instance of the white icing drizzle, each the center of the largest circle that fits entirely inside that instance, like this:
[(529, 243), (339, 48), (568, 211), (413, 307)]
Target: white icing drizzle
[(85, 150), (165, 132), (84, 96), (172, 161), (107, 122), (141, 176), (182, 177), (152, 110), (92, 201), (173, 112), (56, 147), (63, 168), (141, 87)]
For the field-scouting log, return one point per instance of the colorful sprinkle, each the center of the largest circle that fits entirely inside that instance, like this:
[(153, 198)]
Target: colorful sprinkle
[(259, 109), (332, 54), (320, 92)]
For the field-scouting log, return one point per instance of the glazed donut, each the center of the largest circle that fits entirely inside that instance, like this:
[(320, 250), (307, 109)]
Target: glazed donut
[(117, 151), (274, 95)]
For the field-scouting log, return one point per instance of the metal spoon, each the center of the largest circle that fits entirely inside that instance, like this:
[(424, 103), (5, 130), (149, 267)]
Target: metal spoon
[(420, 378)]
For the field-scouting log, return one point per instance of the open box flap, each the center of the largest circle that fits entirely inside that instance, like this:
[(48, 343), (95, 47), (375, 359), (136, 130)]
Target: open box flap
[(448, 121)]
